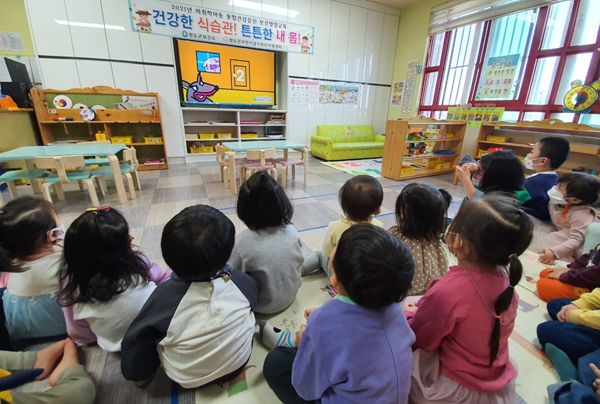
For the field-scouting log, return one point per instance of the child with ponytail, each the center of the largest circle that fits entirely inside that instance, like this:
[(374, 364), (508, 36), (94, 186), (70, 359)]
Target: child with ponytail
[(463, 323), (29, 254)]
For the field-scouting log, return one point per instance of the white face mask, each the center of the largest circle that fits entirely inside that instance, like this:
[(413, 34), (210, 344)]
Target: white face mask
[(528, 163), (58, 232), (556, 197), (475, 182)]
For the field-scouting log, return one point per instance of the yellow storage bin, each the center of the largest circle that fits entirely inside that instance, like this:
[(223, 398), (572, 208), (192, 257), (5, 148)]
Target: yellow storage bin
[(482, 153), (100, 136), (253, 135), (153, 139), (244, 136), (407, 170), (121, 139), (224, 135), (207, 135), (438, 165), (499, 139), (202, 150)]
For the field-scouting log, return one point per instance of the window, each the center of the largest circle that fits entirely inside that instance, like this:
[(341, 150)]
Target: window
[(548, 48)]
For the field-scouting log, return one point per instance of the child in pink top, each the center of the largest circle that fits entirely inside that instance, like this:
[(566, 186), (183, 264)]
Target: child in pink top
[(463, 323), (571, 215)]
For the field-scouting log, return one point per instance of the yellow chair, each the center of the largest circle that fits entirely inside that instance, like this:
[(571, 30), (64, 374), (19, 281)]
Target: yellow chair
[(62, 176)]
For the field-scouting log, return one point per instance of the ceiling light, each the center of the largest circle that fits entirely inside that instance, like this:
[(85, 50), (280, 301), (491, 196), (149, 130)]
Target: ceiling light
[(264, 7), (89, 25)]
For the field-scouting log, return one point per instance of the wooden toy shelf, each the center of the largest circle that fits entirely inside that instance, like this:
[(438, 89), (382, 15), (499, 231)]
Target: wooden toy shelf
[(396, 165), (584, 140), (137, 123)]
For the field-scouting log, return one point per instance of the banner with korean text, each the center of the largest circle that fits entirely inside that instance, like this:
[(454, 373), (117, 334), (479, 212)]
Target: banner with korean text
[(203, 24)]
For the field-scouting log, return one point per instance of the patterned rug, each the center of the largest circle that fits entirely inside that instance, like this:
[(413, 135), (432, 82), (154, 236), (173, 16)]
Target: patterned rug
[(370, 167)]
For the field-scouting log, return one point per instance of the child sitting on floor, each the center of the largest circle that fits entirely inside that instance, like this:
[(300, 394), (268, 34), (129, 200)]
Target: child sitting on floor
[(356, 347), (463, 323), (360, 198), (548, 154), (571, 213), (581, 276), (29, 233), (575, 325), (270, 250), (421, 213), (199, 324), (105, 282), (70, 383), (500, 171)]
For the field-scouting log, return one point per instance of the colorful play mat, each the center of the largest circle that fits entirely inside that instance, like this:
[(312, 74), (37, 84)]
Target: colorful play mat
[(370, 167)]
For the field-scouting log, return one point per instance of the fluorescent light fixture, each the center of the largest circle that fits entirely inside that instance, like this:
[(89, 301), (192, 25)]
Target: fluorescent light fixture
[(90, 25), (264, 7)]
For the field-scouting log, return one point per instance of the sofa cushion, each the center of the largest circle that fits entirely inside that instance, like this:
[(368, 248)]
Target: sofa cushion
[(357, 146), (341, 133)]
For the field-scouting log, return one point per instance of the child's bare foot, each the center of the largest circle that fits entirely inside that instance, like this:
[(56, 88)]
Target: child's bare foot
[(47, 358), (70, 358)]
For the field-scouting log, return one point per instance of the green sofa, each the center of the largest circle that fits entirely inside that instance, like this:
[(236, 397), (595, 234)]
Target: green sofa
[(340, 142)]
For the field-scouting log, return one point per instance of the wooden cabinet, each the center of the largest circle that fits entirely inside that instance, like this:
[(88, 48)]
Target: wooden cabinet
[(445, 137), (138, 124)]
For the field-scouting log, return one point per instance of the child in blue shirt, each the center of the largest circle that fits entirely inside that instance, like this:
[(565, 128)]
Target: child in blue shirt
[(547, 155), (357, 346)]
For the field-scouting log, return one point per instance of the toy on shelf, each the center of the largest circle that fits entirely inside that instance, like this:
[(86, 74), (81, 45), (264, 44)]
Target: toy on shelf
[(416, 149), (416, 136), (276, 118), (100, 135)]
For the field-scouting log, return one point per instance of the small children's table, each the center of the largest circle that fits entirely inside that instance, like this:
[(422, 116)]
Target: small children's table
[(109, 151), (235, 147)]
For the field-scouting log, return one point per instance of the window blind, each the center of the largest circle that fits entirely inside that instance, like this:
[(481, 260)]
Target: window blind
[(458, 13)]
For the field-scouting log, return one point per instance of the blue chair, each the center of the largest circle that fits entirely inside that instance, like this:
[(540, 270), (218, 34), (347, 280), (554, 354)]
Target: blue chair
[(9, 177)]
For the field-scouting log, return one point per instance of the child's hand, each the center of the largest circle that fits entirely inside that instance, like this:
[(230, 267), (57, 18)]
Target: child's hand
[(596, 383), (556, 273), (472, 167), (412, 306), (564, 314), (308, 311), (299, 334), (463, 173), (547, 257)]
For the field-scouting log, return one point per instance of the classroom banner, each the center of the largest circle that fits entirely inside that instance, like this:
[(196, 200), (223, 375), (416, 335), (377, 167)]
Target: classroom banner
[(204, 24)]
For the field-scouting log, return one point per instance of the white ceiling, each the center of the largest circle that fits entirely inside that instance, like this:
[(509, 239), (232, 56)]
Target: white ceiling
[(395, 3)]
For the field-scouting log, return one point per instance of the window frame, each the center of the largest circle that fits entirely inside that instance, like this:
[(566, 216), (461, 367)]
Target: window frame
[(535, 53)]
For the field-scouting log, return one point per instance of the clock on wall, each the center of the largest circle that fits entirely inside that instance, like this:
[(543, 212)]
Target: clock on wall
[(580, 98)]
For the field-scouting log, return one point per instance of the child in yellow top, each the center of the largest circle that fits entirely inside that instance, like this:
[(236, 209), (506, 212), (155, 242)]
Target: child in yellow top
[(360, 199), (575, 328)]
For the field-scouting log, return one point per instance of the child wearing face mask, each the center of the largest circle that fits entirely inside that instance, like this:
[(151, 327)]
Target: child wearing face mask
[(29, 233), (547, 155), (571, 214)]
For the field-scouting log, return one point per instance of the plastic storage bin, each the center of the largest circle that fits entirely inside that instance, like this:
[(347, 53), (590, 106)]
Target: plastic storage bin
[(153, 139), (207, 135), (121, 139)]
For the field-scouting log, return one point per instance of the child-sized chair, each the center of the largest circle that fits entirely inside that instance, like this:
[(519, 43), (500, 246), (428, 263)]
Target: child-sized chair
[(286, 162), (129, 166), (96, 161), (258, 160), (62, 176), (9, 177), (224, 165)]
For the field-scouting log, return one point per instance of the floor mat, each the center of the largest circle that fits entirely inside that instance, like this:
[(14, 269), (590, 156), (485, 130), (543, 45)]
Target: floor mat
[(370, 167)]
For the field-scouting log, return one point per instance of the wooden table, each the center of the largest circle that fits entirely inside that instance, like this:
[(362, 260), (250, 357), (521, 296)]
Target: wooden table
[(243, 146), (28, 153)]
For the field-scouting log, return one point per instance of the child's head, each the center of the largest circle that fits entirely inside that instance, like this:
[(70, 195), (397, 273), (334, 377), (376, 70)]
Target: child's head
[(262, 203), (502, 172), (490, 233), (548, 153), (372, 266), (28, 226), (197, 242), (99, 261), (421, 212), (361, 197), (579, 188)]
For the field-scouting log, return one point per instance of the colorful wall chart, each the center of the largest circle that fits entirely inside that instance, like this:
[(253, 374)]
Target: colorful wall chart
[(397, 94), (330, 94), (409, 88), (304, 92), (499, 78), (187, 21), (475, 116)]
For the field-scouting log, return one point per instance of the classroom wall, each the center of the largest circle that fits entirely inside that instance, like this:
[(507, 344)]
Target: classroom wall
[(412, 45), (355, 41)]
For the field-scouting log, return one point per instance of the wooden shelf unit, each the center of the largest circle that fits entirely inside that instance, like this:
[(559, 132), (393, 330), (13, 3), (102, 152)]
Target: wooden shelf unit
[(139, 123), (226, 120), (584, 140), (396, 140)]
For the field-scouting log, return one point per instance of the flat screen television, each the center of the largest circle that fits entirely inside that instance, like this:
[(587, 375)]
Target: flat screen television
[(224, 75)]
